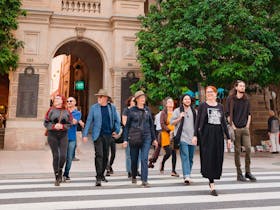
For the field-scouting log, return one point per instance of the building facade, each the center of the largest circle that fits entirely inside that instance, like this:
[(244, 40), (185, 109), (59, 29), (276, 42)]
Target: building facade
[(99, 35), (97, 39)]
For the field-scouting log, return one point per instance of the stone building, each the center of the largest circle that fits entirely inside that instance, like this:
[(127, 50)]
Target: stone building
[(97, 38), (99, 35)]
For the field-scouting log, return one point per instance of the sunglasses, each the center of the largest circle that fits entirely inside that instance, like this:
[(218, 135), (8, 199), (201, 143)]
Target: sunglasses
[(69, 101)]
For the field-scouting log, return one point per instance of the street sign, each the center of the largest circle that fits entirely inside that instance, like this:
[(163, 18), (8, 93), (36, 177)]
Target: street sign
[(79, 85)]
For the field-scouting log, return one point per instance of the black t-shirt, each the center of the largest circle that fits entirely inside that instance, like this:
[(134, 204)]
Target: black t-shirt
[(241, 110)]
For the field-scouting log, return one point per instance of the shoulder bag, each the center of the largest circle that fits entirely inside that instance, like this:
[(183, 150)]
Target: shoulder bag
[(135, 134)]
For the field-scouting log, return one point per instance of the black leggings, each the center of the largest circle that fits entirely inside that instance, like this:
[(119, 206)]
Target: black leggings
[(211, 181), (58, 142), (168, 152)]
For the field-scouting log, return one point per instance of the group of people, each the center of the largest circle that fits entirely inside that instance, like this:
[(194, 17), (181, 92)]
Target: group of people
[(207, 127)]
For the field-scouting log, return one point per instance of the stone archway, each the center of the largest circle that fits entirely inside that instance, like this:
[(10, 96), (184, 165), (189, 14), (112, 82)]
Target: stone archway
[(84, 63)]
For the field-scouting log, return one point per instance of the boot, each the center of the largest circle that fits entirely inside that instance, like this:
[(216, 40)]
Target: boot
[(60, 175), (161, 168), (56, 182)]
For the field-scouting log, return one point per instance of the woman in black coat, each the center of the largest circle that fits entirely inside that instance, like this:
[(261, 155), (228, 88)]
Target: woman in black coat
[(210, 128)]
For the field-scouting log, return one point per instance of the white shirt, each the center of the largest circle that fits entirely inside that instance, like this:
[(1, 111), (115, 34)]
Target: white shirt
[(157, 121)]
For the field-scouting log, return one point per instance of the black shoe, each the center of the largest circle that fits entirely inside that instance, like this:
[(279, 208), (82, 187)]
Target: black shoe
[(111, 171), (66, 179), (134, 180), (56, 183), (108, 173), (128, 174), (138, 173), (213, 193), (60, 175), (104, 179), (151, 165), (98, 183), (251, 177), (241, 178)]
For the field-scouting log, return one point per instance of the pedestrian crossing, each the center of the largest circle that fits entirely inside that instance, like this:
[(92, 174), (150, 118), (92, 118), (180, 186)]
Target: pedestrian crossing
[(166, 192)]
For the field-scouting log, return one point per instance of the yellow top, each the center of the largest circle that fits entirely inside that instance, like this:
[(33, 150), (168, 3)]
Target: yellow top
[(165, 137)]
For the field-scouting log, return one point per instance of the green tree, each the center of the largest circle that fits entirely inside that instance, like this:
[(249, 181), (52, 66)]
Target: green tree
[(9, 12), (208, 41)]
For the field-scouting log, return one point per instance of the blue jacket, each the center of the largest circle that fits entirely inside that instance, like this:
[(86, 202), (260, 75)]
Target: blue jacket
[(94, 119), (73, 128)]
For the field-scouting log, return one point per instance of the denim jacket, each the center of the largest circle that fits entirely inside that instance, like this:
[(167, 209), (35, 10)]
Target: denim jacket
[(94, 119), (134, 120)]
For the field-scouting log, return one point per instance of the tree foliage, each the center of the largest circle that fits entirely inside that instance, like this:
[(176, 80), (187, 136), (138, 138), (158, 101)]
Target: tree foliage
[(208, 41), (9, 12)]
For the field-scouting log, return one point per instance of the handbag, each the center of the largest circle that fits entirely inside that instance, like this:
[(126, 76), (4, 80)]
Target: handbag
[(135, 134), (135, 137), (177, 137)]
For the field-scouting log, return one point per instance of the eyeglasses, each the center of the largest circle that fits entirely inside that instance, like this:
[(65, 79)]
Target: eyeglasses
[(69, 101)]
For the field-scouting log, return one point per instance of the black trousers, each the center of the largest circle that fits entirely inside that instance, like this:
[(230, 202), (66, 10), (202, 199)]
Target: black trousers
[(112, 148), (101, 146), (58, 142)]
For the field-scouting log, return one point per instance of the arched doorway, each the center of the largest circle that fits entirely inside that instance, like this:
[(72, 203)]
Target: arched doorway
[(4, 95), (79, 73)]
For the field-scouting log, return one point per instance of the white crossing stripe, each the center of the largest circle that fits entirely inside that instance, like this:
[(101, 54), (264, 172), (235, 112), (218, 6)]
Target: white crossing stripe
[(120, 192)]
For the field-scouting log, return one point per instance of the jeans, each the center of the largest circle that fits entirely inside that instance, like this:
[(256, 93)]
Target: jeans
[(70, 151), (128, 159), (186, 153), (134, 153), (101, 146), (242, 135)]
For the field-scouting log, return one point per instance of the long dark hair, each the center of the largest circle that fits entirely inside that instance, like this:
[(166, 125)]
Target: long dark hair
[(127, 102), (233, 91), (182, 98)]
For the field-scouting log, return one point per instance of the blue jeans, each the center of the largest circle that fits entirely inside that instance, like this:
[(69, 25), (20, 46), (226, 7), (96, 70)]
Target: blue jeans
[(70, 151), (128, 159), (186, 153), (134, 153)]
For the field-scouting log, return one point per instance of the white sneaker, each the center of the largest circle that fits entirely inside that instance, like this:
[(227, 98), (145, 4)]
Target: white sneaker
[(187, 180)]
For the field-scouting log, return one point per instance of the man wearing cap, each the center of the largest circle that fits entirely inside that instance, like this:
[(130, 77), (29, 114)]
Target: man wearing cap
[(105, 123)]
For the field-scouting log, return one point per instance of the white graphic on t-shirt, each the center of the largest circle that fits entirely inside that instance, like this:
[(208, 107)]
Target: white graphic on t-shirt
[(214, 116)]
